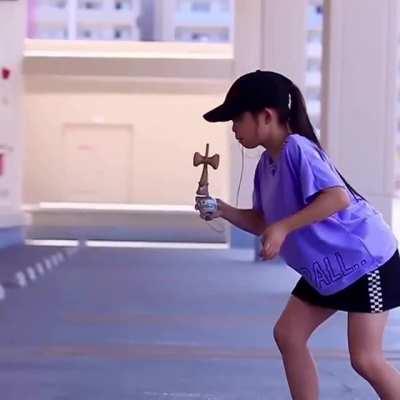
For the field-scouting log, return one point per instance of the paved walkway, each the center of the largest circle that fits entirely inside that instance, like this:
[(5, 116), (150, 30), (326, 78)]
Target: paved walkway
[(163, 324)]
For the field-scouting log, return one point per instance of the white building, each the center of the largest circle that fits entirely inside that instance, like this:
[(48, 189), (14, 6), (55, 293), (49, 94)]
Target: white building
[(171, 20), (194, 20), (86, 19)]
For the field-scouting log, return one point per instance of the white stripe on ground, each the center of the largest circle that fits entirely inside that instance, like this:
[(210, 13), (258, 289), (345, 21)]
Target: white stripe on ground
[(39, 268), (157, 245), (20, 278), (49, 242), (31, 273), (2, 293)]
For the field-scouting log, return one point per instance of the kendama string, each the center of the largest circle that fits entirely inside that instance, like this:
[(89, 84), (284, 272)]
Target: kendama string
[(237, 198)]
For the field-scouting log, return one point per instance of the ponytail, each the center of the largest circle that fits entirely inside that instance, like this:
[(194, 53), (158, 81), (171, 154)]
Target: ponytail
[(300, 123)]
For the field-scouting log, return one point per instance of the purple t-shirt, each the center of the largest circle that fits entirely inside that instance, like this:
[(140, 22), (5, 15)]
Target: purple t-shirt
[(333, 253)]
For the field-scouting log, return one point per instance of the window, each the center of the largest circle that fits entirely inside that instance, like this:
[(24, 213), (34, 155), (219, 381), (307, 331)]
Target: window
[(90, 4), (201, 6), (147, 20)]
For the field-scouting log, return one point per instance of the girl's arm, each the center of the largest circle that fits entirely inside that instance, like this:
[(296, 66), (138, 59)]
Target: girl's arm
[(245, 219), (328, 202)]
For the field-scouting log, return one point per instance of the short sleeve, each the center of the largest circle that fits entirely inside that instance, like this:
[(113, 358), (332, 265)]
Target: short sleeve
[(257, 204), (313, 167)]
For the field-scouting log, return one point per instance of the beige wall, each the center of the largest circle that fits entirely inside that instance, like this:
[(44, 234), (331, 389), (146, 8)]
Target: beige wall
[(157, 91), (166, 125)]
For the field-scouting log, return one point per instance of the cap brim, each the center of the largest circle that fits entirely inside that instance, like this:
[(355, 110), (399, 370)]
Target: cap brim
[(221, 113)]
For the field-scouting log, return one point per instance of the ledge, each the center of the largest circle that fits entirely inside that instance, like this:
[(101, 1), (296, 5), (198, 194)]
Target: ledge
[(114, 222), (139, 59)]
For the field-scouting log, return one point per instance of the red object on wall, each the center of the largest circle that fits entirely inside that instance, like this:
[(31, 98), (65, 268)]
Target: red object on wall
[(1, 164), (5, 73), (2, 159)]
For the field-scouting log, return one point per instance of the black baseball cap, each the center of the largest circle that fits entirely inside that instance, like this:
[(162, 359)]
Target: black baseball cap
[(252, 92)]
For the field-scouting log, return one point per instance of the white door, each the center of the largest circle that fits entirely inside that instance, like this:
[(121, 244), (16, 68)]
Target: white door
[(97, 163)]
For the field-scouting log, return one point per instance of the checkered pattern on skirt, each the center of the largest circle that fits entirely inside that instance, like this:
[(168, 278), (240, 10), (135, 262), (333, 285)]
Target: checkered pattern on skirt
[(375, 291)]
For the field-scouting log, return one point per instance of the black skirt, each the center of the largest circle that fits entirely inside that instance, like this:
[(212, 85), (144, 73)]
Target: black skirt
[(375, 292)]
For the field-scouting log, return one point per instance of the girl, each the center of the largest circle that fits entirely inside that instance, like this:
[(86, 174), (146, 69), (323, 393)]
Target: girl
[(305, 211)]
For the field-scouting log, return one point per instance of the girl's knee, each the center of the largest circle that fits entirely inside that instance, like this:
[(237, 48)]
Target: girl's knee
[(367, 364), (285, 338)]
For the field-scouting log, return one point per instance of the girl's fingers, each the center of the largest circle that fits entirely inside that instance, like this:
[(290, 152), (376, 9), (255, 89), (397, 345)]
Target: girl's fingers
[(267, 249), (263, 255), (207, 217), (267, 252), (270, 254)]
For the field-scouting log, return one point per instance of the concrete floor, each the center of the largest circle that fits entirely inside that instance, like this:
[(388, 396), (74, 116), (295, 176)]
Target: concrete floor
[(163, 324)]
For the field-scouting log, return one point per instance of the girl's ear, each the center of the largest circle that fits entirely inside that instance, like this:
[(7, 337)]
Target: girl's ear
[(266, 115)]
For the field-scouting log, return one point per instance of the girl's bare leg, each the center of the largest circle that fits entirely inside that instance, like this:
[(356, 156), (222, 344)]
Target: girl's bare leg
[(292, 331), (365, 335)]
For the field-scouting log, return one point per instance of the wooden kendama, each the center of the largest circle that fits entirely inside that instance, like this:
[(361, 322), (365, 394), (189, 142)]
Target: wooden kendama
[(198, 159), (207, 204)]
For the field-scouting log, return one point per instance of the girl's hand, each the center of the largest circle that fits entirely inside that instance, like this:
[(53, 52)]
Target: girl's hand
[(216, 214), (272, 239)]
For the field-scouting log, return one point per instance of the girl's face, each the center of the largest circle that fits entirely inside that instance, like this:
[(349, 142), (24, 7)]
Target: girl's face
[(252, 131)]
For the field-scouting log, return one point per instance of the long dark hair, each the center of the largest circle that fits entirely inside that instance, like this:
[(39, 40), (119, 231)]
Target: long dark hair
[(300, 123)]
